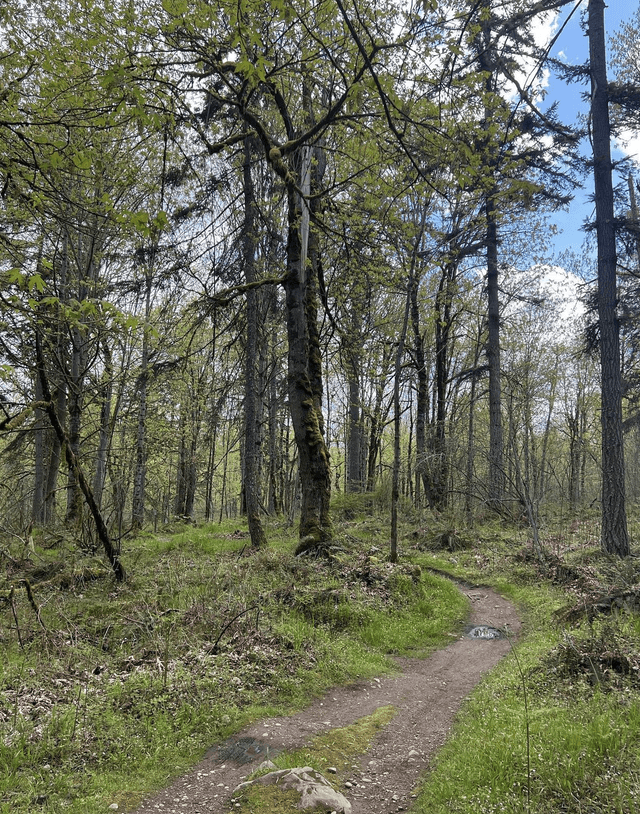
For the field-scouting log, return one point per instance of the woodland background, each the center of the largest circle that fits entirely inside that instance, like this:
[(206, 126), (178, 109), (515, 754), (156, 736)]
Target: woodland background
[(254, 256), (277, 280)]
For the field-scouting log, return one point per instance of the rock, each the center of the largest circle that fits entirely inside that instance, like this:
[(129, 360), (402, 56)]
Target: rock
[(267, 764), (314, 789)]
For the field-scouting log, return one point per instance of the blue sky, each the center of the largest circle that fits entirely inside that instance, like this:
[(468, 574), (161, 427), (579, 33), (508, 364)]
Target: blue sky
[(572, 47)]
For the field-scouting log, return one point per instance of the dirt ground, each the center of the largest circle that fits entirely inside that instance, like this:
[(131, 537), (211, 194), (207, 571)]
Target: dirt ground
[(426, 694)]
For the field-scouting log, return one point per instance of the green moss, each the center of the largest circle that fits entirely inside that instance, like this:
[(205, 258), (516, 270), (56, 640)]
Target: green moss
[(339, 747), (260, 799)]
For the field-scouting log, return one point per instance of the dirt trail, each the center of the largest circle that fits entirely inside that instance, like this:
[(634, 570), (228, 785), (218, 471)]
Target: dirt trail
[(427, 694)]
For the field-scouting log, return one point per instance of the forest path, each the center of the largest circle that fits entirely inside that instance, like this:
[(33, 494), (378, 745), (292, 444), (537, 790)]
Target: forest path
[(426, 694)]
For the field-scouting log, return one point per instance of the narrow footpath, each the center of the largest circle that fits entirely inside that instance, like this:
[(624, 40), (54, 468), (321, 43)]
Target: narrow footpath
[(427, 695)]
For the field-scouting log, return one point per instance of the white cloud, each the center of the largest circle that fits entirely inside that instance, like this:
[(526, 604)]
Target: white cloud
[(629, 144)]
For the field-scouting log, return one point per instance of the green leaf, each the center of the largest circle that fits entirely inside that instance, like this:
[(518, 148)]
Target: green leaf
[(82, 161), (35, 281), (15, 276)]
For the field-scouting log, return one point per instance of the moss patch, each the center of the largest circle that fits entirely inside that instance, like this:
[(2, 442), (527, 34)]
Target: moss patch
[(339, 747), (259, 799)]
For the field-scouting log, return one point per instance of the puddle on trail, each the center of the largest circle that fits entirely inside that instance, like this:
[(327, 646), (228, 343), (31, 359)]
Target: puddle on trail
[(483, 632)]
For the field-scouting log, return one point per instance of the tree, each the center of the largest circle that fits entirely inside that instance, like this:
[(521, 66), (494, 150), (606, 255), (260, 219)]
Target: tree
[(252, 391), (614, 535)]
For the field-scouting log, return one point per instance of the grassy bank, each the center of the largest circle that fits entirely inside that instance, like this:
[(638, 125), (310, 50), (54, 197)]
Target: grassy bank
[(557, 728), (107, 690)]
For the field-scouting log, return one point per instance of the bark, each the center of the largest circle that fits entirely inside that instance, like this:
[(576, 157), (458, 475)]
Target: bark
[(471, 447), (208, 511), (442, 305), (304, 370), (486, 61), (39, 481), (182, 468), (422, 400), (213, 420), (496, 442), (614, 535), (55, 457), (76, 397), (355, 475), (104, 434), (352, 353), (276, 456), (377, 419), (50, 408), (140, 474), (252, 434), (395, 475)]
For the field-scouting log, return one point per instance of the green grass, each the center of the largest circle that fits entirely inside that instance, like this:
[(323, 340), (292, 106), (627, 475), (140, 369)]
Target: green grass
[(118, 688), (582, 752)]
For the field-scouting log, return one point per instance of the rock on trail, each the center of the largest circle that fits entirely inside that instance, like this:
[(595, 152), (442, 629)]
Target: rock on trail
[(426, 694)]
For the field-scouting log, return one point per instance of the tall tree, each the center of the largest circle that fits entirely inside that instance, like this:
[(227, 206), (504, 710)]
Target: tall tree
[(251, 393), (614, 535)]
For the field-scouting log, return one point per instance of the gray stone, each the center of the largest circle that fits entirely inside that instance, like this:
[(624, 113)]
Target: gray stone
[(315, 790)]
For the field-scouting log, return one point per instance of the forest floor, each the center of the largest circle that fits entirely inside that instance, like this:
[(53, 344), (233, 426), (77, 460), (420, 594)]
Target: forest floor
[(358, 667), (426, 695)]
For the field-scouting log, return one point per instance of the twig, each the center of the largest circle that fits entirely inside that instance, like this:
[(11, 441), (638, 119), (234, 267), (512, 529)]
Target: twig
[(214, 649), (15, 616), (32, 602)]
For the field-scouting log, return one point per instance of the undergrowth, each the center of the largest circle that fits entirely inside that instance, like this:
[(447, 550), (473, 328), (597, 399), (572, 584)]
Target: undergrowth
[(108, 690), (580, 668)]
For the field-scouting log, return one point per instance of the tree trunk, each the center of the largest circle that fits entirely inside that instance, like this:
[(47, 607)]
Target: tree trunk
[(74, 495), (304, 381), (39, 480), (182, 465), (140, 475), (105, 426), (422, 399), (614, 535), (377, 418), (496, 443), (443, 320), (252, 434), (55, 457), (395, 475), (355, 475), (111, 551)]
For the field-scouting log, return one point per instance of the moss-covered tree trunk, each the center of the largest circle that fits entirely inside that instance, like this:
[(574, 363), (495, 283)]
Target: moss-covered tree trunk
[(305, 382)]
